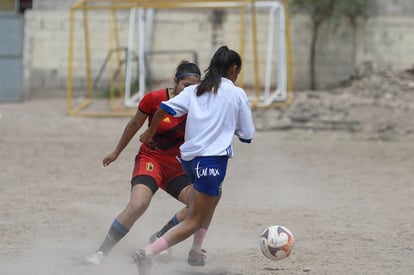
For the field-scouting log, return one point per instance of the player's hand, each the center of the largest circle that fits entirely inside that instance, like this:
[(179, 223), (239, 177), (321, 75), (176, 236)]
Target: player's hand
[(146, 137), (109, 158)]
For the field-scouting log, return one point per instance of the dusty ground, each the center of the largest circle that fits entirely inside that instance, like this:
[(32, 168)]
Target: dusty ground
[(347, 196)]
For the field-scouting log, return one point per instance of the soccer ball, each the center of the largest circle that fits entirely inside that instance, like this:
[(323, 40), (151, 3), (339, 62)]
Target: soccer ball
[(276, 242)]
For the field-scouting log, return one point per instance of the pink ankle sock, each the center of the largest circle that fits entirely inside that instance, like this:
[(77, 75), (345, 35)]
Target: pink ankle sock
[(198, 239), (156, 247)]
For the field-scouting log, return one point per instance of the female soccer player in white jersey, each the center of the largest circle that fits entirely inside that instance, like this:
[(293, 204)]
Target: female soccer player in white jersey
[(216, 110)]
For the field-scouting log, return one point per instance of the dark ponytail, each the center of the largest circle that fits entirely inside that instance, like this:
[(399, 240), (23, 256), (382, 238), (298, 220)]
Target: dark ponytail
[(220, 63)]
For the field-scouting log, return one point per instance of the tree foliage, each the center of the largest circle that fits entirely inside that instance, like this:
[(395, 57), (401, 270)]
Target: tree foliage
[(324, 10)]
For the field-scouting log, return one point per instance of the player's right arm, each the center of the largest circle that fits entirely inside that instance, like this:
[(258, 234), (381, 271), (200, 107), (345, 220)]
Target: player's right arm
[(132, 127)]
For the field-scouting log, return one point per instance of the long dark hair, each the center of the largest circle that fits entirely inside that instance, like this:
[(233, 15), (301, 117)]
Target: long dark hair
[(220, 63), (186, 68)]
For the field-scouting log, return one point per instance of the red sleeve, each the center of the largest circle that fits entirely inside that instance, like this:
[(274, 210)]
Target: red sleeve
[(146, 104)]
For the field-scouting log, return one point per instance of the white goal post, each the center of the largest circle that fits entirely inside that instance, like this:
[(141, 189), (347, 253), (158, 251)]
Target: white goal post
[(143, 19), (238, 29)]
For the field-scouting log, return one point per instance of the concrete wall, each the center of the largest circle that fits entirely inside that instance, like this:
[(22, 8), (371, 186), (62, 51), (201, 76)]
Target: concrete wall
[(46, 52), (392, 8), (383, 40), (52, 4)]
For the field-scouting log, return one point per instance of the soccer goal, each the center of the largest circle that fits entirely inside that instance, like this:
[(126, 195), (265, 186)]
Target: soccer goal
[(133, 45)]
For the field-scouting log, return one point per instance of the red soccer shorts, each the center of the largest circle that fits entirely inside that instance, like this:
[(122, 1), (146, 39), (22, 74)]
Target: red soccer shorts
[(154, 163)]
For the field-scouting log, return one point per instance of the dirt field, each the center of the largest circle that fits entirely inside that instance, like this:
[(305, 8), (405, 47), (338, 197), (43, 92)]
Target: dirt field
[(347, 199)]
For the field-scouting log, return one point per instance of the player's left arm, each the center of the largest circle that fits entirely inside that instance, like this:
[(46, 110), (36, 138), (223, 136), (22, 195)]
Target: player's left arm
[(171, 107), (146, 137), (245, 126)]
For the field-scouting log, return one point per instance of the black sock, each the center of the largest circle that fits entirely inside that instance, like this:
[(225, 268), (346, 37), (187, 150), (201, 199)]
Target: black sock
[(170, 224), (116, 232)]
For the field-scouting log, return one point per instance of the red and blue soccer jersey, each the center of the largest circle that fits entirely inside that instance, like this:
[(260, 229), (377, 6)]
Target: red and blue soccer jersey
[(170, 132), (158, 159)]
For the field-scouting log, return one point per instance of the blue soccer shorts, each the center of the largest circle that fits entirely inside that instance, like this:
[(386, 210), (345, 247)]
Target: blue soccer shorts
[(206, 173)]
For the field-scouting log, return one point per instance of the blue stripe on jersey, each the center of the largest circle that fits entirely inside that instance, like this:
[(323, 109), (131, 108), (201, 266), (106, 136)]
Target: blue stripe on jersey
[(245, 140), (168, 109), (229, 151)]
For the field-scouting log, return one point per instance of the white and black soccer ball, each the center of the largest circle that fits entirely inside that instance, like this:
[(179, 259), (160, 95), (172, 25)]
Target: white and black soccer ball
[(276, 242)]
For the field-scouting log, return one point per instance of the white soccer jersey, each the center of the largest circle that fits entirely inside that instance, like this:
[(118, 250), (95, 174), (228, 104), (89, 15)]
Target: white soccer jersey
[(212, 120)]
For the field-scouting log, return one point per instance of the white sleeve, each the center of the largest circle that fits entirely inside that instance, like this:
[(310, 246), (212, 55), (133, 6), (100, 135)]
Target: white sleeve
[(178, 105), (245, 126)]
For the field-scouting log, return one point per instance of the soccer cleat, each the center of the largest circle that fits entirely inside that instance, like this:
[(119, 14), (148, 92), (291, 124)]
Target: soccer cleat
[(95, 258), (143, 262), (196, 258)]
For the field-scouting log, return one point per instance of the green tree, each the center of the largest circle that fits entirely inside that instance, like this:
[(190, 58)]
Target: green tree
[(332, 10)]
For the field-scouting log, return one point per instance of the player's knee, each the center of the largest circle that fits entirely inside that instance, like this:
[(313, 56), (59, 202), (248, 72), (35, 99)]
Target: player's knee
[(137, 207), (195, 223)]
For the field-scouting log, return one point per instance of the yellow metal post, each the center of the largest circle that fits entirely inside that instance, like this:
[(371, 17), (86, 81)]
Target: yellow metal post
[(118, 53), (255, 52), (69, 92), (242, 32), (111, 64), (87, 51)]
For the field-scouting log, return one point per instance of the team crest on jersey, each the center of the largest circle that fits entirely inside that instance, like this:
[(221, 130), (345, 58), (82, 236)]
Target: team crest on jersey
[(167, 119), (149, 166)]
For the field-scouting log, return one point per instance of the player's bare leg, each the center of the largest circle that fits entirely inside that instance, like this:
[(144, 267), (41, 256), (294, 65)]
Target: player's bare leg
[(196, 256), (139, 201), (201, 206), (183, 197)]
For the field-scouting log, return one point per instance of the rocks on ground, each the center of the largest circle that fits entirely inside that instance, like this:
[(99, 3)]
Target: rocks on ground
[(380, 103)]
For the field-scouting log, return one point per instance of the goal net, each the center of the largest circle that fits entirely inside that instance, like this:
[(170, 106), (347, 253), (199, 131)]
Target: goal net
[(120, 50)]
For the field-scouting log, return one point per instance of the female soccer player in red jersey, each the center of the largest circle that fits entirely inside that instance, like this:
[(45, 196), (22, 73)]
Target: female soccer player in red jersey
[(156, 164)]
